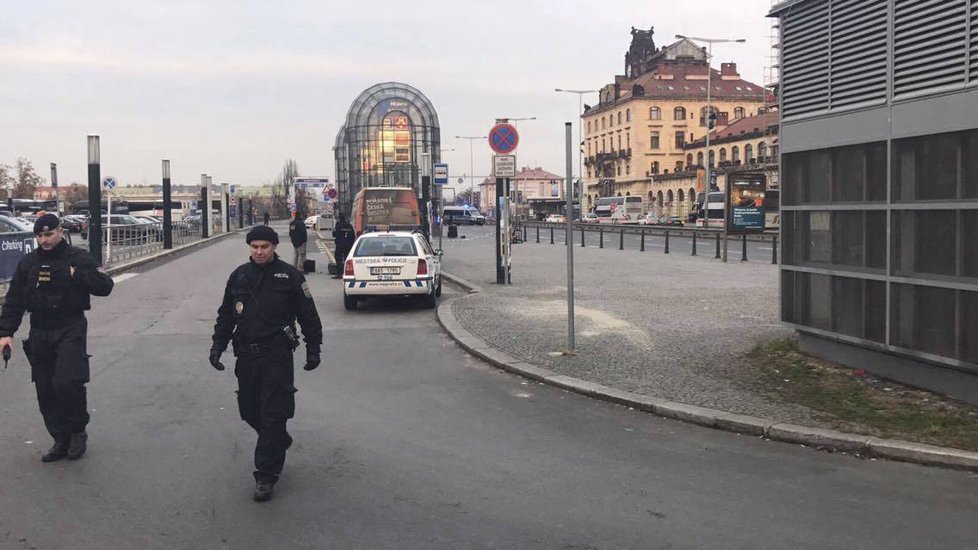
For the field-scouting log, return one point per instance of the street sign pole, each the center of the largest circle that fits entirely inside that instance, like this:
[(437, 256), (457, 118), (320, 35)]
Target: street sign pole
[(94, 200), (500, 270), (569, 239), (167, 211)]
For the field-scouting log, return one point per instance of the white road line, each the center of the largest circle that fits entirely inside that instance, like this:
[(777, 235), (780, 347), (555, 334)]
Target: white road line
[(123, 277)]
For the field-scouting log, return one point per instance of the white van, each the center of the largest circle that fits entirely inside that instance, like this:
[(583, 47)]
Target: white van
[(462, 215)]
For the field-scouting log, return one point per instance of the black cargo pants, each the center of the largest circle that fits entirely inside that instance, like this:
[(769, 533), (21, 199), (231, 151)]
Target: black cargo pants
[(59, 370), (266, 401)]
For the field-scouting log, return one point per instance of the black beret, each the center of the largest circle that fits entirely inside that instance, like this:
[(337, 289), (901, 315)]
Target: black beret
[(47, 222), (262, 233)]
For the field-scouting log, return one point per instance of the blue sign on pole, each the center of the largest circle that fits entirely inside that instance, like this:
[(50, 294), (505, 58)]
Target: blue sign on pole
[(441, 173)]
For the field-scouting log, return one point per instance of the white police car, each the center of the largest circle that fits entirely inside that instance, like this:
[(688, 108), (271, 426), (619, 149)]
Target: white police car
[(394, 263)]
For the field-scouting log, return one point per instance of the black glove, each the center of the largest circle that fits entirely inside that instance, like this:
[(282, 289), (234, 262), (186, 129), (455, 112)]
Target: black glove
[(312, 361), (216, 360)]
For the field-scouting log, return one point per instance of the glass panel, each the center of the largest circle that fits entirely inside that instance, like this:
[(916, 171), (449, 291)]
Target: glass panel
[(848, 174), (875, 308), (819, 177), (852, 239), (969, 327), (847, 297), (924, 319), (876, 172), (819, 301), (969, 245), (936, 167), (925, 242)]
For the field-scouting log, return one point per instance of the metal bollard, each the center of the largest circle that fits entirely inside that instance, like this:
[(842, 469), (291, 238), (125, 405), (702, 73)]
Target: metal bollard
[(774, 251), (600, 237), (582, 237), (621, 240), (642, 249), (743, 249), (538, 234), (524, 233), (694, 244), (667, 241), (718, 246), (551, 234)]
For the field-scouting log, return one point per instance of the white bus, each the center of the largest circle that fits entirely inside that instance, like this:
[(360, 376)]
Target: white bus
[(618, 209), (715, 208)]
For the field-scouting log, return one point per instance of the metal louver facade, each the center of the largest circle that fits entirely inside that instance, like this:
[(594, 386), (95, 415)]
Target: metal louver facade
[(848, 54)]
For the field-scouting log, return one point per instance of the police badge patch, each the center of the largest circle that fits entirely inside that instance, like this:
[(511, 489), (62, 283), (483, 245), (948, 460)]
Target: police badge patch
[(305, 290), (239, 307)]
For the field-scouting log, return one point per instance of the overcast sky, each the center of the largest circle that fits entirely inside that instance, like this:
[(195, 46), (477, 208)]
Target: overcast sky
[(232, 88)]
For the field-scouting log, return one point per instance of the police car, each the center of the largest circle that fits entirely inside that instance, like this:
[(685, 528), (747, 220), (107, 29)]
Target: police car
[(393, 264)]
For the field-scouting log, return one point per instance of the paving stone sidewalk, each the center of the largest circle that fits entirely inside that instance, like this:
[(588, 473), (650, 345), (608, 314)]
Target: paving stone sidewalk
[(670, 326)]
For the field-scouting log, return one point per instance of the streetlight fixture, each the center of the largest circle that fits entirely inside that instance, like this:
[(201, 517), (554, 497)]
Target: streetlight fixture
[(580, 139), (471, 164), (709, 110)]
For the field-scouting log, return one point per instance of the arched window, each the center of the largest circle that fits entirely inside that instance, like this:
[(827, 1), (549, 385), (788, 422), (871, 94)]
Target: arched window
[(589, 126), (691, 195), (738, 112), (655, 167), (689, 160), (681, 196), (699, 158), (679, 166), (628, 168), (735, 154), (655, 113), (619, 118), (651, 198), (619, 193), (723, 154), (748, 153), (604, 122), (619, 169), (628, 115), (761, 150), (669, 198), (659, 198), (589, 201), (713, 158), (628, 193), (679, 113)]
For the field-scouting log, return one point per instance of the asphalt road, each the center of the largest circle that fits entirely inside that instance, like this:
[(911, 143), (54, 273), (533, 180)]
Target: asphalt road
[(403, 441)]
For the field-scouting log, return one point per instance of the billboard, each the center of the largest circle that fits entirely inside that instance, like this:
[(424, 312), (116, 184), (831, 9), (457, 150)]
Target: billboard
[(745, 197)]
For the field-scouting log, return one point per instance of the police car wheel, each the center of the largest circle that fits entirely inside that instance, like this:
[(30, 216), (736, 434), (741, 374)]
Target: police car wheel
[(350, 302), (430, 300)]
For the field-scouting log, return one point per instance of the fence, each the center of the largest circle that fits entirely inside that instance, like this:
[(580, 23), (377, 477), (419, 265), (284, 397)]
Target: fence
[(700, 239), (127, 242)]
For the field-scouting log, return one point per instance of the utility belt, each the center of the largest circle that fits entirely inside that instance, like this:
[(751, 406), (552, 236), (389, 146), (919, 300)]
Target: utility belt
[(48, 319), (287, 339)]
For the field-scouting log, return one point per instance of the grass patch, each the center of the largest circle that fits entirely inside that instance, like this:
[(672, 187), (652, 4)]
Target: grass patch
[(859, 402)]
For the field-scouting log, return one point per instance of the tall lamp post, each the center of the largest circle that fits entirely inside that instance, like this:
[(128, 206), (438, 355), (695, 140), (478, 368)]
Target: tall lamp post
[(580, 139), (471, 163), (709, 110)]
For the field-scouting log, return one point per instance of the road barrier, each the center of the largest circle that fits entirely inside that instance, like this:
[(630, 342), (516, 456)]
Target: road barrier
[(665, 232), (134, 240)]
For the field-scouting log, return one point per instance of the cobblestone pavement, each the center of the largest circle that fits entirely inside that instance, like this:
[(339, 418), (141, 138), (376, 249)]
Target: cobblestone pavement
[(671, 326)]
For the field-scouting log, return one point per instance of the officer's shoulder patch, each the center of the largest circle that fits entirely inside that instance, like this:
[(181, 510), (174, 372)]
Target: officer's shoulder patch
[(306, 291)]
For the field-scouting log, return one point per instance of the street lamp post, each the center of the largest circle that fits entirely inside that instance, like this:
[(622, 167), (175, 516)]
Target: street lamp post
[(709, 111), (580, 138), (471, 163)]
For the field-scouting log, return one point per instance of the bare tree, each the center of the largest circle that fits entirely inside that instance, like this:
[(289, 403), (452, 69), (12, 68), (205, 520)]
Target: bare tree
[(6, 181), (74, 193), (26, 181)]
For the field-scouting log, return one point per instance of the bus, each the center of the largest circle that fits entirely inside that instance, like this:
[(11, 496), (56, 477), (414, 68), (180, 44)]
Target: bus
[(618, 209), (772, 208), (21, 207), (715, 207), (385, 209)]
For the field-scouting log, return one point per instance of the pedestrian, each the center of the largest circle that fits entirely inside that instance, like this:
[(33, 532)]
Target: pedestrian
[(55, 283), (298, 236), (266, 217), (263, 300), (343, 237)]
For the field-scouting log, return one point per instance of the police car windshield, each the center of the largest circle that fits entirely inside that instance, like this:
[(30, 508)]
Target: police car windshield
[(386, 246)]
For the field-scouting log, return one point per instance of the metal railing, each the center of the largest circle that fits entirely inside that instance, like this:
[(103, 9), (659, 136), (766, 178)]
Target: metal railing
[(126, 242)]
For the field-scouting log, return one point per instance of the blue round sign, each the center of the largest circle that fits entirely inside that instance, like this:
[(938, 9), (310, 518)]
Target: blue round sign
[(503, 139)]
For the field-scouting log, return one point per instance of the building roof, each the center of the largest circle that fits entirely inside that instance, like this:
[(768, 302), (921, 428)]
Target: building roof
[(757, 124)]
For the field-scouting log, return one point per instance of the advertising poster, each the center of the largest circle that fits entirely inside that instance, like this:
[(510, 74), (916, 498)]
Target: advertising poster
[(746, 200)]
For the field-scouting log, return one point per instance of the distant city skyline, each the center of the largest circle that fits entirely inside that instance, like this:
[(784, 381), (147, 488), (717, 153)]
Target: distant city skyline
[(233, 89)]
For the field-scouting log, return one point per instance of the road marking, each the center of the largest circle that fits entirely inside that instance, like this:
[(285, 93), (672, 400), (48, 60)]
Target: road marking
[(124, 277)]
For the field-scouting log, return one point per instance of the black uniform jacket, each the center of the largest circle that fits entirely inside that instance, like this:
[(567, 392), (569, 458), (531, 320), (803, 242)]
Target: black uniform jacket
[(344, 235), (43, 285), (259, 300), (297, 232)]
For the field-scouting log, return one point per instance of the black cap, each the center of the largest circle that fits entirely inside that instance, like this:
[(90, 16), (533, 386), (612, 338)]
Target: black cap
[(262, 233), (47, 222)]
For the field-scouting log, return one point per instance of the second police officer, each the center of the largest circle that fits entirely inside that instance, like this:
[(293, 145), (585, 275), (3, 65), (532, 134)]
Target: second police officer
[(262, 301)]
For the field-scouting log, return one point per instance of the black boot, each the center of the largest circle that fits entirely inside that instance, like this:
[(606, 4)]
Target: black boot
[(58, 451), (263, 490), (77, 446)]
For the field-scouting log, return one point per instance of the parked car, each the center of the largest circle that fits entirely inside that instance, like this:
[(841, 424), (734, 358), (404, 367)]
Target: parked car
[(556, 218), (674, 221), (14, 225), (392, 264), (312, 222), (74, 223), (590, 217), (649, 218), (463, 215)]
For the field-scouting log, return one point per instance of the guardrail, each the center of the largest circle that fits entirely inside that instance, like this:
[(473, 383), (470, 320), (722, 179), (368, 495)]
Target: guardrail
[(702, 235), (126, 242)]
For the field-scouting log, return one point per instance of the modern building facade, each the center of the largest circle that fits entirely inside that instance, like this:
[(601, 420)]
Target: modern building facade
[(391, 138), (879, 143), (645, 118)]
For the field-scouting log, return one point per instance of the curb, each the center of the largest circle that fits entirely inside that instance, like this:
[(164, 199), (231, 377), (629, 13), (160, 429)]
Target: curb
[(828, 440), (460, 282)]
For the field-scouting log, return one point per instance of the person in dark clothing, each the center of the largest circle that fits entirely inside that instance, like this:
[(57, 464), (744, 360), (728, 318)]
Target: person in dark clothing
[(265, 218), (343, 236), (298, 236), (55, 283), (262, 301)]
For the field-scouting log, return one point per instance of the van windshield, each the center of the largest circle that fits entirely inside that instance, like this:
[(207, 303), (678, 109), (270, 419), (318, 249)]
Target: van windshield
[(386, 246)]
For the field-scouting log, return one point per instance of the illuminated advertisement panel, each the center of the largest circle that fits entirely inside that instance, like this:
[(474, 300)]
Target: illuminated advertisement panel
[(745, 195)]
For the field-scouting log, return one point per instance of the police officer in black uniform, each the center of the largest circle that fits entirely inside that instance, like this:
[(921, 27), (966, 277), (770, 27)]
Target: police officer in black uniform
[(262, 301), (55, 283), (343, 236)]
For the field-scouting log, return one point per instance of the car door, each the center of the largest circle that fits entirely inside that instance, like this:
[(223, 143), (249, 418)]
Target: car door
[(433, 259)]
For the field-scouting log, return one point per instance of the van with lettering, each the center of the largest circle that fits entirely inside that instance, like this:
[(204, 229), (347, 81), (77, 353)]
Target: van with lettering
[(385, 209)]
